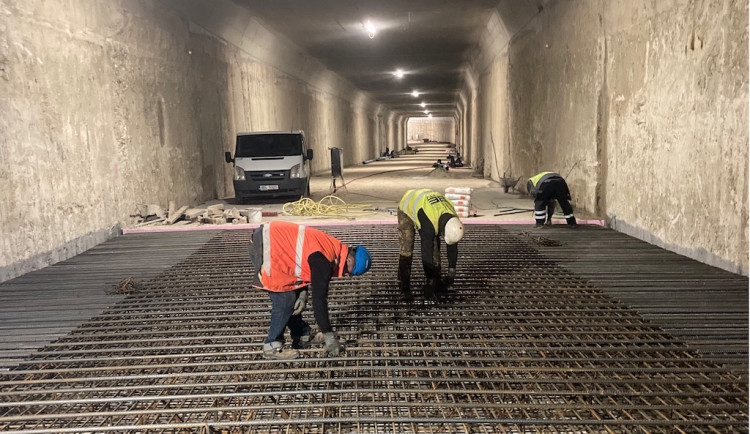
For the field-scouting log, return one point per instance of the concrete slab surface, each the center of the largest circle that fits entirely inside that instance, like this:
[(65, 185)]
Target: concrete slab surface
[(369, 193)]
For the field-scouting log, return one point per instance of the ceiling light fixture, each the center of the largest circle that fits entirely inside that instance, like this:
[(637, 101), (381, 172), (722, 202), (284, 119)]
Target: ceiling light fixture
[(370, 29), (423, 104), (414, 93), (399, 73), (426, 112)]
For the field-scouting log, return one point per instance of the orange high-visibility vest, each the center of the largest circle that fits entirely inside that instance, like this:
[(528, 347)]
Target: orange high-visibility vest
[(286, 247)]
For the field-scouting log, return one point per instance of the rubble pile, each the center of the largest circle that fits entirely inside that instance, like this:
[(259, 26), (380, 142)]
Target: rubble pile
[(217, 214)]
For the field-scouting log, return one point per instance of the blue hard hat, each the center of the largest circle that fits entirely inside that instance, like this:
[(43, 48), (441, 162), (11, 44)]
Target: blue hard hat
[(362, 261)]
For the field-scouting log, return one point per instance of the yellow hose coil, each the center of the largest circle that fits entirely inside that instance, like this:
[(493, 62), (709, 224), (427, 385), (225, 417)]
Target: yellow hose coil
[(328, 206)]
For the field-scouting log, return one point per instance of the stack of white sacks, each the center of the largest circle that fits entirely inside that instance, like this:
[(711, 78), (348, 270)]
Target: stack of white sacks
[(461, 199)]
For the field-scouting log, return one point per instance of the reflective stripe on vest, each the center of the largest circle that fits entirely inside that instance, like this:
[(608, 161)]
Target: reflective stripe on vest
[(267, 249), (298, 252)]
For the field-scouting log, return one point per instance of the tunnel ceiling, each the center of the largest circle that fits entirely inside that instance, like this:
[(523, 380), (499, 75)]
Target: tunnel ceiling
[(430, 40)]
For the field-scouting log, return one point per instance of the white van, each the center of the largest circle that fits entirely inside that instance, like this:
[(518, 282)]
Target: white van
[(271, 164)]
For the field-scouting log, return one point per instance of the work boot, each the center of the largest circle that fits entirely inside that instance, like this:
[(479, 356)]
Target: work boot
[(275, 351), (404, 273), (332, 347), (429, 288), (301, 342), (441, 288)]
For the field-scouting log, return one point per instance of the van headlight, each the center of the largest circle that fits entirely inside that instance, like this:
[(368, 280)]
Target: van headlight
[(298, 171), (239, 173)]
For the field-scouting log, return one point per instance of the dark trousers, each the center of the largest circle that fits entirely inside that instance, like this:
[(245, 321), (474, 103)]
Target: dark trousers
[(553, 189), (282, 306), (406, 233)]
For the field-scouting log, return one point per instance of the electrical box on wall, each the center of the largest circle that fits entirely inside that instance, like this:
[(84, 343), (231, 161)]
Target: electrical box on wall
[(336, 163)]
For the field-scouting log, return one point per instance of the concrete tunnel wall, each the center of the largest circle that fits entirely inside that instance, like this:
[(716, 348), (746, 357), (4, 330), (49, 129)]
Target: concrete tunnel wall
[(642, 106), (469, 144), (107, 105)]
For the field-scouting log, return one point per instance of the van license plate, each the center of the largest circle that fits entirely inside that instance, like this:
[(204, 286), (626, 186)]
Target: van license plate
[(268, 187)]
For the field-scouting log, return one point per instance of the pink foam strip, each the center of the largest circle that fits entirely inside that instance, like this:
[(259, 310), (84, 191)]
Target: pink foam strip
[(469, 221)]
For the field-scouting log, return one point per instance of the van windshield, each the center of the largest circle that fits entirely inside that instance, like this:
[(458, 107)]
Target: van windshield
[(268, 145)]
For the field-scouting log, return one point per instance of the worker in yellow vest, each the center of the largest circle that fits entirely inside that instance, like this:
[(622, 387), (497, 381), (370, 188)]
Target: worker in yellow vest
[(546, 188), (433, 216)]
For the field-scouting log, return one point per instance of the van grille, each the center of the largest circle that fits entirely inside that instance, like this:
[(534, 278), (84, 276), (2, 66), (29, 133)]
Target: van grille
[(267, 176)]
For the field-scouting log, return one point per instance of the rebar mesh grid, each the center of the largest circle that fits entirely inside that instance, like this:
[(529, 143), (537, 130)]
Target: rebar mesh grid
[(704, 306), (520, 346)]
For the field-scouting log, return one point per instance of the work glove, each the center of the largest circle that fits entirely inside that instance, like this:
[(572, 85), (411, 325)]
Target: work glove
[(332, 347), (450, 277), (300, 303)]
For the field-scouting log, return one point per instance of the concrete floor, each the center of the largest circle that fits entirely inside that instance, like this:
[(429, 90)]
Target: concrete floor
[(372, 192)]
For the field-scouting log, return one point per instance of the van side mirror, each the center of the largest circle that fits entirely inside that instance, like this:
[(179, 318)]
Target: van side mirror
[(228, 157), (309, 154)]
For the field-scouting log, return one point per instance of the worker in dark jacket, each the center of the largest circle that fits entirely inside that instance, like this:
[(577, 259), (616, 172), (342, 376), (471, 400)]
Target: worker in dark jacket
[(433, 216), (290, 261), (547, 188)]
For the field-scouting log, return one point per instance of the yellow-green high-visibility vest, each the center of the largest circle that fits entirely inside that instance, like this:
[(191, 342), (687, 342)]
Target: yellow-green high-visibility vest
[(537, 179), (533, 185), (431, 202)]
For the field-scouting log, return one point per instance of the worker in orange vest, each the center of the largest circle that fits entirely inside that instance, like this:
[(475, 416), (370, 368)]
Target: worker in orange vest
[(290, 261)]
